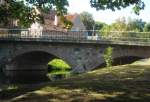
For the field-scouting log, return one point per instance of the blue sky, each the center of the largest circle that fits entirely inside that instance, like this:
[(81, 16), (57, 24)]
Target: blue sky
[(108, 16)]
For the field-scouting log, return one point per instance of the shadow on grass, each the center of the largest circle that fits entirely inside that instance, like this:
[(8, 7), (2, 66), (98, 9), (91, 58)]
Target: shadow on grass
[(121, 85), (11, 93)]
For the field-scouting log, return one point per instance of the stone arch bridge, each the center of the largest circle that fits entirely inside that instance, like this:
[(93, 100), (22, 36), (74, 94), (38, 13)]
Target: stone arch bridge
[(31, 56)]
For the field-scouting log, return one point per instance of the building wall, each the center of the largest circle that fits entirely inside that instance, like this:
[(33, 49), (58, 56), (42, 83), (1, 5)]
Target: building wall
[(77, 24)]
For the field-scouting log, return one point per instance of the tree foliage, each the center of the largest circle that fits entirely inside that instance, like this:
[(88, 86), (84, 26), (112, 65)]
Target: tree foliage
[(87, 20), (135, 25), (117, 4), (121, 24), (12, 9), (147, 27), (108, 56), (99, 25), (59, 5), (23, 10)]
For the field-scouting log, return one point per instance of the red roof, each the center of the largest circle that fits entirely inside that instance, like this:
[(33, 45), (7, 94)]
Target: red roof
[(71, 17)]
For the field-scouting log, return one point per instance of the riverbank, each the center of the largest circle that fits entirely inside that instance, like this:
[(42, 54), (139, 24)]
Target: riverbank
[(127, 83)]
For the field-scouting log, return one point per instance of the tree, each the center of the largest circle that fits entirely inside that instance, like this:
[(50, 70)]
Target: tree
[(87, 20), (59, 5), (12, 10), (98, 4), (99, 25), (23, 11), (117, 4), (147, 27), (135, 25), (122, 25), (119, 25)]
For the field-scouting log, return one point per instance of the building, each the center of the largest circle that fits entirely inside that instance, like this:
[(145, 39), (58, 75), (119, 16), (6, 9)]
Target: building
[(53, 22), (77, 23)]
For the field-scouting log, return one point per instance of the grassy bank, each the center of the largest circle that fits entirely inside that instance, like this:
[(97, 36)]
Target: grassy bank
[(128, 83)]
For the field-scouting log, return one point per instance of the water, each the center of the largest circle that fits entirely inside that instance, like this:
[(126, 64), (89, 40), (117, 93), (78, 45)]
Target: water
[(31, 79)]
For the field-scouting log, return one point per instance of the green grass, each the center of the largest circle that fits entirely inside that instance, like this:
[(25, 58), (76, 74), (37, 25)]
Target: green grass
[(142, 62), (128, 83)]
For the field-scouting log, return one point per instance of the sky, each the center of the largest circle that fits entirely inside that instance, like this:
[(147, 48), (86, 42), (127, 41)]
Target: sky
[(108, 16)]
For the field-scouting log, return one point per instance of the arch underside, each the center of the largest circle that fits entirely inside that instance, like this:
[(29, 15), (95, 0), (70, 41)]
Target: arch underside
[(125, 60), (29, 65), (120, 61)]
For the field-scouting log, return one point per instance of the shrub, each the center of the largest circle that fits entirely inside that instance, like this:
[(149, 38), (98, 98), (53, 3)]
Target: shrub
[(108, 56), (59, 64)]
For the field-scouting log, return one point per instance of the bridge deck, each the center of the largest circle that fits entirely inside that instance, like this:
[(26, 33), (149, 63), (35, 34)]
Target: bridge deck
[(120, 38)]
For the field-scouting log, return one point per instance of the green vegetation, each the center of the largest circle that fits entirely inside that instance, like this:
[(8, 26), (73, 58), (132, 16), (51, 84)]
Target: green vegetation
[(25, 13), (130, 30), (14, 10), (25, 10), (128, 83), (108, 56), (87, 20), (121, 24), (142, 62), (59, 64), (117, 4), (58, 68), (147, 27), (121, 29)]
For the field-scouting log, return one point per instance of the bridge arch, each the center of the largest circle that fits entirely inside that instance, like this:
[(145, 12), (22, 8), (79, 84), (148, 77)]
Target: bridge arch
[(126, 59), (30, 64), (120, 60)]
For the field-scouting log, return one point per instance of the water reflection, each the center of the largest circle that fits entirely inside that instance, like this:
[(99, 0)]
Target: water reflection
[(30, 79)]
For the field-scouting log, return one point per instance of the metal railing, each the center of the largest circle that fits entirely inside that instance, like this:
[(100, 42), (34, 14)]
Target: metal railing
[(88, 35), (46, 34), (126, 36)]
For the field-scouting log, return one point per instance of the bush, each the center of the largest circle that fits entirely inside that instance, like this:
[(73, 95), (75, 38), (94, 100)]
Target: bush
[(58, 64), (108, 56), (58, 69)]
